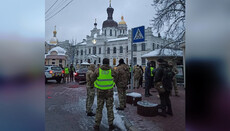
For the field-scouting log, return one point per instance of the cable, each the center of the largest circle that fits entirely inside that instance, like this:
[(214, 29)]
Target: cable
[(57, 7), (59, 10), (51, 6)]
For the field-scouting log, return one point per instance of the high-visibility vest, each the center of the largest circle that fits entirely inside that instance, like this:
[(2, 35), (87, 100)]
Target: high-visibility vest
[(66, 70), (151, 69), (130, 68), (104, 80)]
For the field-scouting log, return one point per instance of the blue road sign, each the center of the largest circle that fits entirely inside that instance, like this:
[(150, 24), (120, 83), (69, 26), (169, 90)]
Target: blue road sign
[(138, 34)]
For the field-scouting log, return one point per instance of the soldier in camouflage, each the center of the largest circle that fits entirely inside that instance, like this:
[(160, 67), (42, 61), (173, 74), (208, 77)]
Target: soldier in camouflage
[(90, 90), (104, 96), (123, 73), (174, 69), (137, 76)]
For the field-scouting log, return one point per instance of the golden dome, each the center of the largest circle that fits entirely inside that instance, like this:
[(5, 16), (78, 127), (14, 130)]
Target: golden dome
[(122, 22)]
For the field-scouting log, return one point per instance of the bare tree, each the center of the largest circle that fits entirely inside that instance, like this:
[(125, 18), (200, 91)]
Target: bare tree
[(170, 16)]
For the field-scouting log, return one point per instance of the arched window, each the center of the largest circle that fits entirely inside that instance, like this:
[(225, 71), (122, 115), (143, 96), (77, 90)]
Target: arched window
[(99, 51), (114, 50), (94, 50), (108, 50), (81, 52), (115, 33), (111, 32), (114, 61), (121, 49)]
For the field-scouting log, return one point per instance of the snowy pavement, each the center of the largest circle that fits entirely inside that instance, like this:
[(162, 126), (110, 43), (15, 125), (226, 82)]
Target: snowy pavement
[(65, 109)]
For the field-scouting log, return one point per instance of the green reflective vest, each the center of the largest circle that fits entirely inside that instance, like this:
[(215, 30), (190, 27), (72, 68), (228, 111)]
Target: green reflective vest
[(66, 70), (104, 80), (151, 69)]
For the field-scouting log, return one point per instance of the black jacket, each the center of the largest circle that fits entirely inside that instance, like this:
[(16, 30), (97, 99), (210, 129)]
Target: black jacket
[(159, 77)]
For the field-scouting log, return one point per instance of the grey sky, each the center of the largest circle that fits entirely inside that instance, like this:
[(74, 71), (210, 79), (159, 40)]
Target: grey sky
[(77, 19)]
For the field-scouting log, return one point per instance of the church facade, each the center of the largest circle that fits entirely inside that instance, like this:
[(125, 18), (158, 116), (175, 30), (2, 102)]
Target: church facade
[(113, 41)]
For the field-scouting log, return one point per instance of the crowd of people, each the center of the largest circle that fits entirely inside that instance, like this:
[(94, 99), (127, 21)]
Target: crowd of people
[(68, 73), (104, 78)]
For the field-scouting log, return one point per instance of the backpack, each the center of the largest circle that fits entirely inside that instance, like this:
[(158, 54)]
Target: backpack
[(167, 73)]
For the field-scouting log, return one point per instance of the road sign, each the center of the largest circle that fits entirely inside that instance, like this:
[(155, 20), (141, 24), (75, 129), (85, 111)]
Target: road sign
[(138, 34)]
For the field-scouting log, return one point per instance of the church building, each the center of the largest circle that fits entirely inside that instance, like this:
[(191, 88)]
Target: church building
[(113, 41)]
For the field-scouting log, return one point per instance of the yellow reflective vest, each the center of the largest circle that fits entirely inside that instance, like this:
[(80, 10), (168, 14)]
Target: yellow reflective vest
[(104, 80), (151, 69), (66, 70)]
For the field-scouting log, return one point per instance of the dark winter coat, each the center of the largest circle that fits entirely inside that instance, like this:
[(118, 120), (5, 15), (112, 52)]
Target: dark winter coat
[(147, 75), (160, 77)]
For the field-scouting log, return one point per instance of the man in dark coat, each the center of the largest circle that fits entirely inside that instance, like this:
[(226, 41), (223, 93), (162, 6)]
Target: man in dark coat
[(163, 83), (147, 80)]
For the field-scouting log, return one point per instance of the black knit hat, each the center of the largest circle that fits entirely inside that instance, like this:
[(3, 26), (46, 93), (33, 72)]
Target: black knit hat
[(105, 61), (121, 61)]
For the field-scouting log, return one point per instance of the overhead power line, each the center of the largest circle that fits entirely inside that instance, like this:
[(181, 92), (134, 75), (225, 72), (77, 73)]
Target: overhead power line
[(51, 6), (59, 4), (59, 10)]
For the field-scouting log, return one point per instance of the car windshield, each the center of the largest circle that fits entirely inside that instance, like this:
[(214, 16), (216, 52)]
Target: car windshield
[(56, 68), (83, 70)]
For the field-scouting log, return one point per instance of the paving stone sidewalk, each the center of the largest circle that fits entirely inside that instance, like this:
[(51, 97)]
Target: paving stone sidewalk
[(176, 122)]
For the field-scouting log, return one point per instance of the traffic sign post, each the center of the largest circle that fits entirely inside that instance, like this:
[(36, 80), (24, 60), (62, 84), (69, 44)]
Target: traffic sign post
[(137, 35)]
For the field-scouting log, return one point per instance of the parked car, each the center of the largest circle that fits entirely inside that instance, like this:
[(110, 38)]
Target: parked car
[(81, 74), (180, 75), (53, 73)]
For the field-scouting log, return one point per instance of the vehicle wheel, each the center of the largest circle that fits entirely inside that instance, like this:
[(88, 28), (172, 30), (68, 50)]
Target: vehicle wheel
[(58, 80), (45, 80)]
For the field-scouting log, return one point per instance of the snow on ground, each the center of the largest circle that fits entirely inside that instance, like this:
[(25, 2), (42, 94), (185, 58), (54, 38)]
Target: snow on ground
[(118, 122), (134, 94), (146, 104)]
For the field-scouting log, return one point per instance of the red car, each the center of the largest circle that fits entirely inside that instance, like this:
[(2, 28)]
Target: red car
[(81, 75)]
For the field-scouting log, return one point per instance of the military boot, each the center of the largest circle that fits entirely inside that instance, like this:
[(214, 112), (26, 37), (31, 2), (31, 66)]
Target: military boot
[(162, 111), (96, 128), (90, 114), (119, 108), (111, 127)]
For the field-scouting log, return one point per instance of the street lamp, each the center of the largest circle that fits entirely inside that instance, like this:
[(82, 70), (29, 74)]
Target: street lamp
[(94, 41)]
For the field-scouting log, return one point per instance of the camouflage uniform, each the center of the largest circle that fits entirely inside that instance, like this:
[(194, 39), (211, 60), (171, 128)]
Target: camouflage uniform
[(137, 76), (174, 69), (104, 96), (123, 73), (90, 89)]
